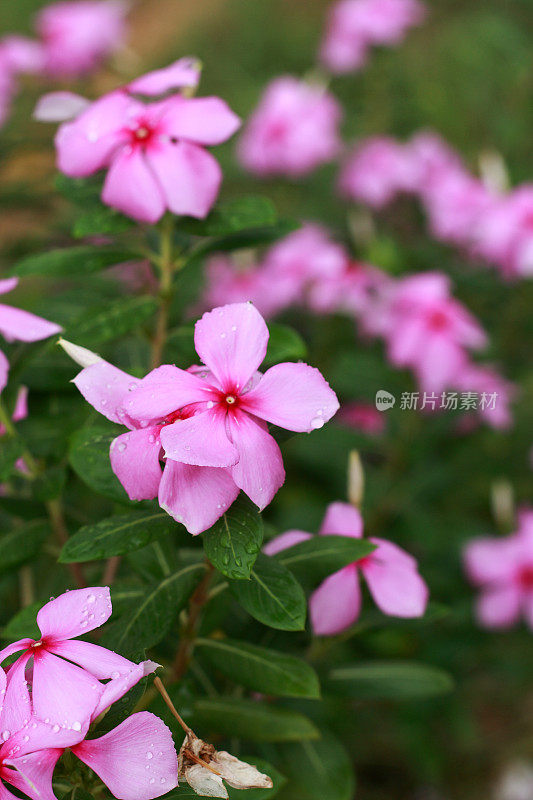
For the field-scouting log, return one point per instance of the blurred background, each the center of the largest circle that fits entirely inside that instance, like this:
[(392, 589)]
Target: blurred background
[(466, 73)]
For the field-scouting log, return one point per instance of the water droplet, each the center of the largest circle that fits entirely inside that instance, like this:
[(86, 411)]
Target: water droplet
[(121, 447), (316, 423), (210, 404), (149, 754), (115, 675), (83, 624), (222, 335), (56, 728), (225, 559), (152, 780), (151, 438), (6, 735), (238, 561), (162, 780)]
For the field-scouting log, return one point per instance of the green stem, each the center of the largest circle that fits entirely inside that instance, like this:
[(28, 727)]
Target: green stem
[(166, 268)]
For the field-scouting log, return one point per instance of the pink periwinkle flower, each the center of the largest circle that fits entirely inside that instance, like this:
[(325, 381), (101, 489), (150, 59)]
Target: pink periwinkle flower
[(17, 55), (494, 393), (208, 424), (154, 153), (293, 130), (503, 234), (503, 569), (430, 331), (355, 25), (391, 575), (19, 325), (362, 417), (78, 36), (378, 169), (229, 282)]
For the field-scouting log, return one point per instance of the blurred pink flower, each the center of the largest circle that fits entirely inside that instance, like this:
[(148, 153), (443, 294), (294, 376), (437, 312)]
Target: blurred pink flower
[(293, 130), (228, 282), (378, 169), (353, 26), (430, 331), (17, 55), (455, 201), (390, 573), (78, 36), (363, 417), (154, 153), (19, 325), (503, 569), (503, 234), (208, 423), (495, 394)]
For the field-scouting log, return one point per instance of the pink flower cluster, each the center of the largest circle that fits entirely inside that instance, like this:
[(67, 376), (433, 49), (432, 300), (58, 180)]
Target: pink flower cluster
[(391, 575), (293, 130), (197, 437), (19, 325), (154, 153), (57, 687), (424, 328), (461, 210), (354, 26), (503, 569)]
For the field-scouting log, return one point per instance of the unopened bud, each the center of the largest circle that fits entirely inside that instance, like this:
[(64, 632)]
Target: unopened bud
[(356, 479)]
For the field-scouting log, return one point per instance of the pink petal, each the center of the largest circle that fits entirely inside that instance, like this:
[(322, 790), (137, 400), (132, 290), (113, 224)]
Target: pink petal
[(5, 794), (105, 387), (259, 471), (284, 541), (342, 519), (19, 325), (34, 771), (8, 284), (59, 106), (88, 143), (63, 694), (21, 405), (117, 687), (336, 604), (392, 555), (182, 73), (136, 760), (200, 440), (164, 390), (3, 684), (205, 120), (135, 461), (10, 649), (131, 187), (491, 560), (293, 396), (4, 371), (499, 607), (99, 661), (75, 613), (189, 177), (17, 703), (232, 342), (39, 735), (397, 590), (196, 496)]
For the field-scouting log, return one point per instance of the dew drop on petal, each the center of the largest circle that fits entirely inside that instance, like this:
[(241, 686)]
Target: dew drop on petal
[(121, 447), (316, 423)]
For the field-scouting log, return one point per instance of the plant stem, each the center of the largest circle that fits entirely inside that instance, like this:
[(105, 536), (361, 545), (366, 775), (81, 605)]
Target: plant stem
[(164, 694), (188, 635), (166, 268), (57, 520)]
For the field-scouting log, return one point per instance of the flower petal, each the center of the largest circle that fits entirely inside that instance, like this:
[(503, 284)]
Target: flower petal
[(491, 560), (499, 607), (63, 694), (21, 326), (59, 107), (189, 177), (33, 773), (182, 73), (196, 496), (117, 687), (75, 613), (164, 390), (38, 735), (204, 782), (4, 371), (135, 461), (105, 387), (136, 760), (232, 342), (99, 661), (15, 647), (397, 589), (284, 541), (17, 703), (336, 604), (131, 187), (259, 471), (8, 284), (205, 120), (200, 440), (342, 519), (293, 396)]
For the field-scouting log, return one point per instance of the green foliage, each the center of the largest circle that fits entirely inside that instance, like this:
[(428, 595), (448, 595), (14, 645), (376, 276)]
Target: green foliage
[(98, 325), (284, 344), (22, 544), (89, 458), (233, 543), (400, 680), (317, 770), (23, 625), (71, 261), (11, 451), (251, 719), (316, 558)]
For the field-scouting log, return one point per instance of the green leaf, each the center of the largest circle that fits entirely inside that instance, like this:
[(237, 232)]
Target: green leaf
[(242, 213), (255, 237), (319, 556), (272, 595), (261, 669), (101, 220), (103, 323), (23, 625), (148, 620), (89, 458), (233, 543), (284, 344), (71, 261), (116, 536), (10, 451), (394, 680), (249, 719), (317, 770), (83, 191), (22, 544), (50, 483)]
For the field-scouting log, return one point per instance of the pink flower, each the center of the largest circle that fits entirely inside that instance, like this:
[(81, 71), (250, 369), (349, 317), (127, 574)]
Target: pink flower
[(494, 393), (455, 201), (430, 331), (228, 282), (17, 55), (208, 423), (354, 25), (18, 325), (390, 573), (65, 695), (503, 569), (363, 417), (154, 153), (377, 170), (503, 234), (293, 130), (78, 36)]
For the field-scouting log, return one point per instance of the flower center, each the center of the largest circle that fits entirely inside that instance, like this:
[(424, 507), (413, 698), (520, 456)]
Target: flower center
[(231, 399), (438, 320), (525, 577)]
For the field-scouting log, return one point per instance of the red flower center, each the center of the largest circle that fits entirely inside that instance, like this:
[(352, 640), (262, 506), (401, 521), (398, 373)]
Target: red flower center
[(141, 134), (525, 577), (438, 320)]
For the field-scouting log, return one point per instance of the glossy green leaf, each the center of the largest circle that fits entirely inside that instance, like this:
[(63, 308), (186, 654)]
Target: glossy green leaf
[(71, 261), (241, 213), (23, 625), (319, 556), (250, 719), (284, 344), (89, 458), (101, 220), (394, 680), (317, 770), (111, 320), (22, 544), (233, 543)]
